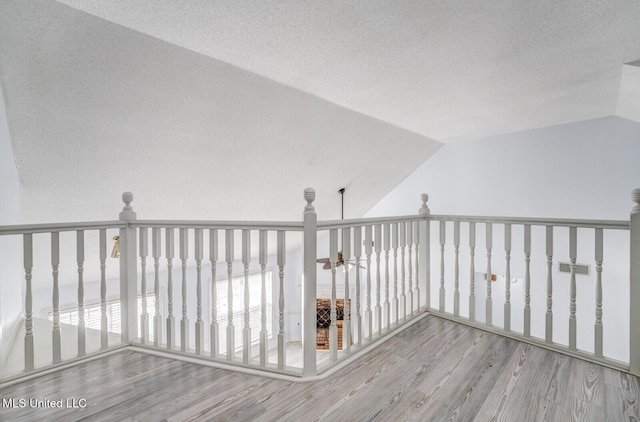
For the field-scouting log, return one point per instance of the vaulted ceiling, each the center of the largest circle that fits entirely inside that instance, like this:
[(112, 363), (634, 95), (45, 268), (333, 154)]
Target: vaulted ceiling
[(219, 109)]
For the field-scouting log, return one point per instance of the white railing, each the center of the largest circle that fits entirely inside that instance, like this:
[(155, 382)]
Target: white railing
[(43, 241), (379, 269), (490, 263)]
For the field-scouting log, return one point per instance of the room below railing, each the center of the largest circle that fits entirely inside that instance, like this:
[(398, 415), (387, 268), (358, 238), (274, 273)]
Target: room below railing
[(301, 298)]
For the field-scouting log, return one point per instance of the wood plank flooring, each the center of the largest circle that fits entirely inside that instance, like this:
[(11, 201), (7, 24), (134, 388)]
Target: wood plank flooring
[(436, 370)]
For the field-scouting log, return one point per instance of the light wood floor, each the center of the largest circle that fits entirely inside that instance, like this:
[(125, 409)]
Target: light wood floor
[(435, 370)]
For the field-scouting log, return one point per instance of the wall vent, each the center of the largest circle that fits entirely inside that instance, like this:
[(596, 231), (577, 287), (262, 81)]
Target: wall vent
[(565, 267)]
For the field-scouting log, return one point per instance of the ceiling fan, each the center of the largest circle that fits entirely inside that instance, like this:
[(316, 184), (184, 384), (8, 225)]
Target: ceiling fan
[(340, 262)]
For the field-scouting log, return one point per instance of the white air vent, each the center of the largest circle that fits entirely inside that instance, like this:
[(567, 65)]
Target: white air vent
[(565, 267)]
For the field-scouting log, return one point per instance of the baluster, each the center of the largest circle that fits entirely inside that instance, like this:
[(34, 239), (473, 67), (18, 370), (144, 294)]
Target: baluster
[(410, 265), (214, 328), (416, 240), (394, 245), (55, 262), (104, 335), (246, 332), (377, 244), (333, 328), (144, 316), (171, 333), (387, 248), (527, 280), (184, 322), (157, 250), (442, 242), (357, 251), (402, 227), (489, 275), (598, 325), (80, 255), (346, 320), (264, 334), (456, 250), (198, 239), (231, 331), (573, 246), (281, 334), (472, 270), (27, 244), (507, 277), (548, 335), (367, 250)]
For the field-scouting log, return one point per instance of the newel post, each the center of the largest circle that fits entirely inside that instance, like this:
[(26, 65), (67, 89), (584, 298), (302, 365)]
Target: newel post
[(309, 285), (634, 286), (128, 273), (424, 253)]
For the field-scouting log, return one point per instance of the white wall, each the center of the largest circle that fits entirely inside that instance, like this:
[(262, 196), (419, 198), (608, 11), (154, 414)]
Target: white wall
[(585, 169), (578, 170), (10, 254)]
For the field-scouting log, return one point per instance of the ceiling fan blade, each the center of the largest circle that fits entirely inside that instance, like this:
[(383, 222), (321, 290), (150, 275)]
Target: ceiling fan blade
[(326, 266), (323, 260)]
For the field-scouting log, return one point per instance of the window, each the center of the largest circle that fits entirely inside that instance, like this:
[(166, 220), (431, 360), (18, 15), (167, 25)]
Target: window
[(92, 315), (255, 315)]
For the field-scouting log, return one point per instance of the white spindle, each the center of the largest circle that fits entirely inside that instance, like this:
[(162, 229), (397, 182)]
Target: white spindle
[(456, 276), (346, 320), (281, 334), (144, 316), (387, 248), (402, 227), (171, 333), (548, 336), (410, 266), (333, 328), (27, 244), (55, 262), (377, 244), (394, 245), (156, 246), (442, 242), (264, 334), (184, 322), (367, 251), (198, 239), (573, 246), (246, 332), (416, 240), (231, 331), (214, 328), (357, 251), (507, 277), (472, 270), (425, 249), (598, 324), (489, 242), (104, 335), (527, 280), (82, 348)]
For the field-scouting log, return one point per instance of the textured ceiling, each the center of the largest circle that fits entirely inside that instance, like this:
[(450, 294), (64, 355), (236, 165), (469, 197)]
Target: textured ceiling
[(447, 70), (219, 109)]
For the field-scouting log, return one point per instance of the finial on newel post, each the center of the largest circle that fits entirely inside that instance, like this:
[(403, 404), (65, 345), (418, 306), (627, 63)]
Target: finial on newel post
[(635, 196), (309, 196), (424, 209), (127, 213)]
